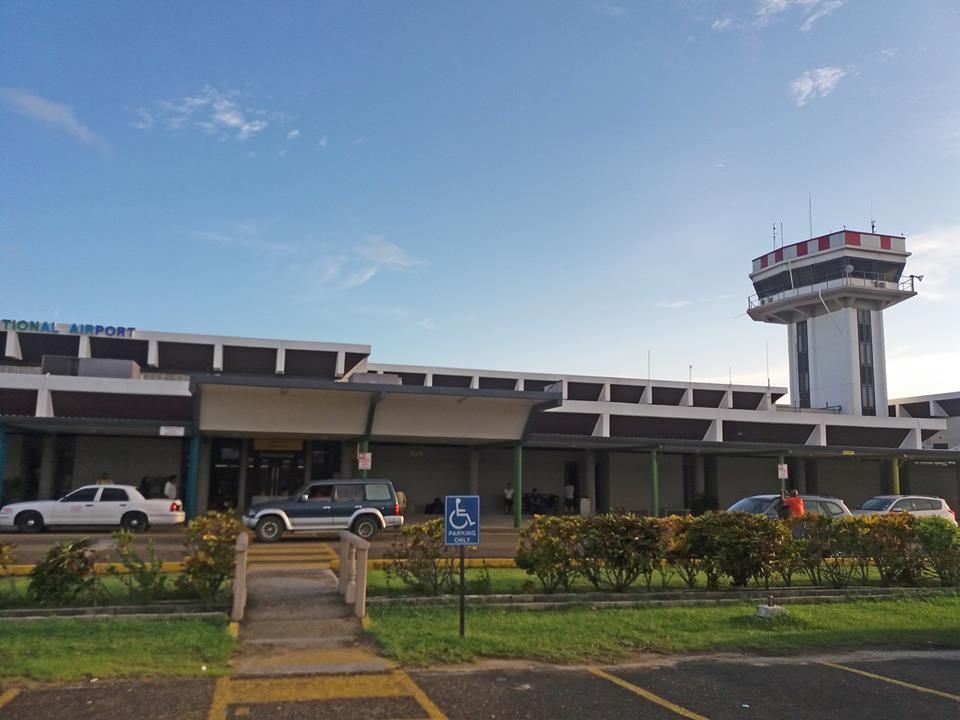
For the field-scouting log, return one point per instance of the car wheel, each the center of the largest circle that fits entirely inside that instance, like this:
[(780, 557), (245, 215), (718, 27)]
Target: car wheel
[(134, 522), (365, 526), (30, 522), (270, 529)]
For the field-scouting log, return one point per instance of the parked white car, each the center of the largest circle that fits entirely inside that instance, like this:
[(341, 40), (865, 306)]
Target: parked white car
[(112, 505), (919, 505)]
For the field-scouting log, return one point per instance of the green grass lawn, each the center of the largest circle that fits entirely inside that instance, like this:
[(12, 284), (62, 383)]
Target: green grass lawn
[(513, 581), (116, 592), (71, 649), (425, 636)]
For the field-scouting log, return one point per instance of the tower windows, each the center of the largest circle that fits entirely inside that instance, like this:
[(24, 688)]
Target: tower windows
[(803, 364), (868, 395)]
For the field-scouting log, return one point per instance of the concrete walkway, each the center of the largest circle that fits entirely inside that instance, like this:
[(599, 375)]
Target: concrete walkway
[(295, 622)]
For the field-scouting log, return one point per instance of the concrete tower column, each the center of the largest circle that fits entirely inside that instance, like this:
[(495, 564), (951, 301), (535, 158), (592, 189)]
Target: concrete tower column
[(590, 479)]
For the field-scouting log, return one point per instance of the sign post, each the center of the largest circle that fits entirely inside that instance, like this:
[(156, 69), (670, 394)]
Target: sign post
[(461, 527)]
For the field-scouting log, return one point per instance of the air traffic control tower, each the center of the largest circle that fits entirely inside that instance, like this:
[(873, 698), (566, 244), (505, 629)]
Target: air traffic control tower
[(830, 292)]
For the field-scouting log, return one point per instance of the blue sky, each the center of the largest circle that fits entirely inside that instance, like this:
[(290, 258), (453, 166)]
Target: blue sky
[(533, 186)]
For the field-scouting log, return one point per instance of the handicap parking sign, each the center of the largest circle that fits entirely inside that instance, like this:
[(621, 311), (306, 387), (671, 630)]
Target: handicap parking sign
[(461, 520)]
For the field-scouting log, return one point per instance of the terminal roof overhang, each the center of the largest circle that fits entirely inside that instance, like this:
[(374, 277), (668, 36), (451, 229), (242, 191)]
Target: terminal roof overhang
[(308, 407)]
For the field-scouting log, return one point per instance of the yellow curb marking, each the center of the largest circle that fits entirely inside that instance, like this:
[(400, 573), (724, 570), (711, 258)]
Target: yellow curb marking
[(244, 692), (893, 681), (433, 712), (7, 696), (647, 695)]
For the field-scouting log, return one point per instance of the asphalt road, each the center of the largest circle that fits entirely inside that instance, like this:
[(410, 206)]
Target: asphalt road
[(494, 543), (859, 687)]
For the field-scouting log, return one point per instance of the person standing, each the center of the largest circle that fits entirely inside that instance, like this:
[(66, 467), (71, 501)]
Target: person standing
[(170, 488), (569, 497), (792, 504), (508, 499)]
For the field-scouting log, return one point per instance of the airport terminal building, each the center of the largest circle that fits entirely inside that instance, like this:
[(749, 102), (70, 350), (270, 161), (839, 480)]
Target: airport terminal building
[(238, 419)]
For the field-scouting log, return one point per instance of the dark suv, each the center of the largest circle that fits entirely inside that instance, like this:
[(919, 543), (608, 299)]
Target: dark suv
[(364, 507)]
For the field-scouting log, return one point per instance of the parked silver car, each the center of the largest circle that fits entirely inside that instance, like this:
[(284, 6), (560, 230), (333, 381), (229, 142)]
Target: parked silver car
[(919, 505), (769, 505)]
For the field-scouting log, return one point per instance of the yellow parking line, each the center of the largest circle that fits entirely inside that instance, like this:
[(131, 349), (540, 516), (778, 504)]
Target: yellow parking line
[(433, 712), (7, 696), (893, 681), (647, 695), (229, 692)]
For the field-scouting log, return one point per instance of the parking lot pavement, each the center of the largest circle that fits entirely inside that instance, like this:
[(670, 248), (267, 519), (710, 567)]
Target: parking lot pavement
[(117, 700), (895, 685), (715, 689)]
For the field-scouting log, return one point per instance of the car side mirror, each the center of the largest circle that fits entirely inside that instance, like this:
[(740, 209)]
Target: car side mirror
[(304, 497)]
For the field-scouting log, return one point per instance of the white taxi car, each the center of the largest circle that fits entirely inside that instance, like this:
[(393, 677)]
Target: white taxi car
[(110, 505)]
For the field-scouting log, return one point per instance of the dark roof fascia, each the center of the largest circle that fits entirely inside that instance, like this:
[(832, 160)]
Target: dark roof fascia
[(735, 448), (28, 423), (546, 399)]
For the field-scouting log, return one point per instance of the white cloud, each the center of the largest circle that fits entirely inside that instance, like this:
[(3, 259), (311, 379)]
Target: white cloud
[(768, 8), (213, 111), (244, 235), (820, 10), (359, 139), (721, 25), (293, 135), (610, 8), (360, 277), (936, 256), (56, 115), (323, 142), (816, 83), (378, 250), (673, 304), (427, 324)]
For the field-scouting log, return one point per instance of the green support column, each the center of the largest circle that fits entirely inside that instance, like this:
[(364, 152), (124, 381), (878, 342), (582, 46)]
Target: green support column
[(3, 461), (364, 447), (193, 472), (895, 475), (517, 486), (781, 461), (654, 484)]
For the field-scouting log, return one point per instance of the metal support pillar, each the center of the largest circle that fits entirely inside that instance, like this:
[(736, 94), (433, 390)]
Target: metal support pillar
[(48, 463), (654, 484), (364, 447), (473, 472), (895, 476), (193, 471), (242, 475), (3, 462), (517, 485), (307, 461), (783, 482)]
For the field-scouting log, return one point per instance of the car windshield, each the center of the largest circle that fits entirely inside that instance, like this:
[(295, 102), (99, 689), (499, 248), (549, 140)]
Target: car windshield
[(750, 505), (876, 504)]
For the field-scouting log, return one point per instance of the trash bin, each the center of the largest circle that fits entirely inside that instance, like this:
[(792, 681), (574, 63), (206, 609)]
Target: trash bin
[(586, 507)]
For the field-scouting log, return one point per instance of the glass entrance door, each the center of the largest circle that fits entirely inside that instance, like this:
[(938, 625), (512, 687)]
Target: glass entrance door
[(274, 475)]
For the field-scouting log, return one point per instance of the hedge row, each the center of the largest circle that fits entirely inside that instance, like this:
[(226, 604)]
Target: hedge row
[(613, 551)]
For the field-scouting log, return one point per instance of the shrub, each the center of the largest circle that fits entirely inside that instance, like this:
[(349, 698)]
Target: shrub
[(66, 575), (617, 549), (421, 560), (839, 561), (700, 546), (890, 542), (211, 549), (676, 546), (668, 536), (8, 557), (939, 542), (547, 550), (748, 546), (144, 579)]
